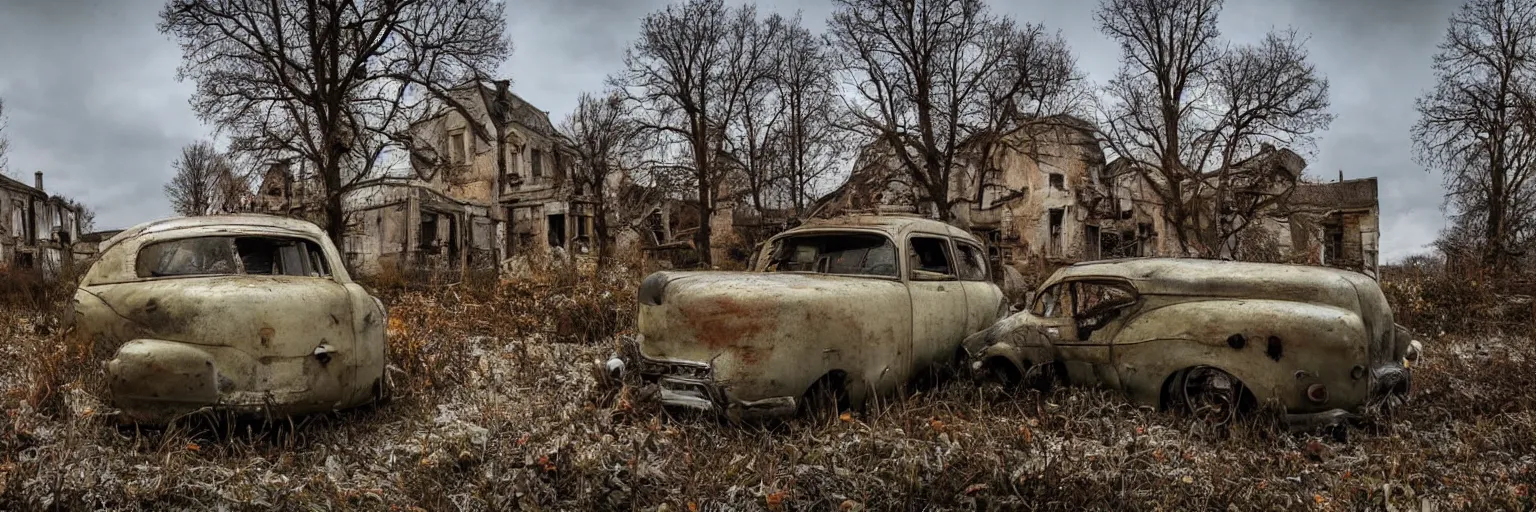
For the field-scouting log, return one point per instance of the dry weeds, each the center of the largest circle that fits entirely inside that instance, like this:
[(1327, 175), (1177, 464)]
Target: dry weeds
[(502, 408)]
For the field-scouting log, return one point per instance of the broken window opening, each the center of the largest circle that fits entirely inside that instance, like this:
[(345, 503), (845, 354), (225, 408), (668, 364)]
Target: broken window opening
[(1058, 181), (972, 262), (1091, 239), (1053, 302), (1333, 244), (224, 255), (657, 227), (845, 254), (930, 254), (1057, 217), (537, 158), (457, 153)]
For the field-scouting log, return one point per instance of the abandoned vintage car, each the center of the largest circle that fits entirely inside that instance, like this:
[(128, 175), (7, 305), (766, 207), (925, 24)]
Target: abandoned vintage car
[(252, 314), (1211, 336), (840, 309)]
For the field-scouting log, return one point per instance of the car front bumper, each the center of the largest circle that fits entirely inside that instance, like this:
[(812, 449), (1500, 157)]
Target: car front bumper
[(691, 386)]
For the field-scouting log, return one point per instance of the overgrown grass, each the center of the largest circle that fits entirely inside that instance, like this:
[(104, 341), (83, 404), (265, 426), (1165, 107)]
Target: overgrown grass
[(502, 408)]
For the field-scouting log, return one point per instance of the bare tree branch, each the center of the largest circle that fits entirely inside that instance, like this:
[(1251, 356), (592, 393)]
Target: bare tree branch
[(329, 81), (937, 82), (1478, 127), (1189, 113)]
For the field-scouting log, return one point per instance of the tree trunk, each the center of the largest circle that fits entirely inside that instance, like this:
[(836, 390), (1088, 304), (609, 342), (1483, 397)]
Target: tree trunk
[(600, 226), (335, 214), (706, 211), (1494, 252)]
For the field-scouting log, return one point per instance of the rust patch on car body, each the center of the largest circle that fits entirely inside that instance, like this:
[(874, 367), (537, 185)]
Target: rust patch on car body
[(829, 298), (1294, 336), (724, 322)]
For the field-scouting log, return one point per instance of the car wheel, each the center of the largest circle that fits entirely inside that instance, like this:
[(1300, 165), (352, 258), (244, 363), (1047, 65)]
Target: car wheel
[(1001, 372), (826, 398), (1209, 394)]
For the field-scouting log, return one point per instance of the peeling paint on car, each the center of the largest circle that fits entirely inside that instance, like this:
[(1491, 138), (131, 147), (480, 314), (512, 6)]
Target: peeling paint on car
[(833, 301), (1295, 337), (247, 339)]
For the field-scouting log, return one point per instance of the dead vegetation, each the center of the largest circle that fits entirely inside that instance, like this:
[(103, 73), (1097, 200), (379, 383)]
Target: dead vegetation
[(501, 407)]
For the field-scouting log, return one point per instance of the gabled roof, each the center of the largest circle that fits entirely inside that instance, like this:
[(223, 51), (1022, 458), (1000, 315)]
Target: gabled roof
[(514, 109)]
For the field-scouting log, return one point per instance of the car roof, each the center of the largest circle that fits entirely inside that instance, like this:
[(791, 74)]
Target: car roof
[(895, 226), (246, 221), (1221, 278), (117, 256)]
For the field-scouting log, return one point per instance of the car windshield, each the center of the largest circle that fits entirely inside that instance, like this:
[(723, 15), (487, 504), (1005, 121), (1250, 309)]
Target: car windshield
[(835, 253), (223, 255)]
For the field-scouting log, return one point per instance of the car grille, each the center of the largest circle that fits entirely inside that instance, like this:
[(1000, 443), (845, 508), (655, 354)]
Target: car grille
[(652, 369)]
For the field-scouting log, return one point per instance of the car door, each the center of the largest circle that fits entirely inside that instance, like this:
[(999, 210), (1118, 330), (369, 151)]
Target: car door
[(939, 315), (1098, 309), (983, 299)]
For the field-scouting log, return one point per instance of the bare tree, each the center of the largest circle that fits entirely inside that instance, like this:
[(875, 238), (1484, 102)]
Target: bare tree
[(608, 145), (5, 144), (201, 175), (938, 81), (334, 82), (805, 83), (753, 138), (690, 74), (1478, 127), (1189, 112)]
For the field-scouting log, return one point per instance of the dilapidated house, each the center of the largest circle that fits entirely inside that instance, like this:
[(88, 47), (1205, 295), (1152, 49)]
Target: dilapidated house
[(38, 231), (1334, 223), (1047, 196), (488, 181)]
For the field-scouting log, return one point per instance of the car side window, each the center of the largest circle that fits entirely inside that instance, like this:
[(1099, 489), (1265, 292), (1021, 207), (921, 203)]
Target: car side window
[(972, 262), (1094, 298), (1053, 302), (930, 254)]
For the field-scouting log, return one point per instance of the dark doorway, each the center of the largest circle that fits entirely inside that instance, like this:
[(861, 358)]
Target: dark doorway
[(511, 233), (557, 230)]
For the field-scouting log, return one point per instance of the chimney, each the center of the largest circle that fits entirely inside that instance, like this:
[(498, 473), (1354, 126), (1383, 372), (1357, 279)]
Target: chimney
[(38, 178)]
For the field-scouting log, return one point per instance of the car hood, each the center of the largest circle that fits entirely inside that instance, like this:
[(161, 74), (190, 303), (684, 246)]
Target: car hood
[(264, 316)]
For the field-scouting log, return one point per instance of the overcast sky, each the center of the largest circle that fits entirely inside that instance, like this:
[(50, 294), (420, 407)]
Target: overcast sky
[(92, 99)]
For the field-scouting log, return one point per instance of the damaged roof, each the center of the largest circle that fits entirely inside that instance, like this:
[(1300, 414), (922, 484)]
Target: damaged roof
[(1356, 194)]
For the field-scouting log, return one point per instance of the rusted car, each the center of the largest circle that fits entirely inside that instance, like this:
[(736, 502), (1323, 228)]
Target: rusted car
[(251, 314), (835, 310), (1210, 336)]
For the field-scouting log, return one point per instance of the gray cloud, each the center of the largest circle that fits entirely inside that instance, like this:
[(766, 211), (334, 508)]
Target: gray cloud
[(93, 101)]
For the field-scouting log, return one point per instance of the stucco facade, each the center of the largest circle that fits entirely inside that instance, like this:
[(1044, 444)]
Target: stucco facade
[(1049, 197), (37, 231)]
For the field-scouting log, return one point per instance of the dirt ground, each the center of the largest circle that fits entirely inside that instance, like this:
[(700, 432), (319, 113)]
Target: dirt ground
[(508, 412)]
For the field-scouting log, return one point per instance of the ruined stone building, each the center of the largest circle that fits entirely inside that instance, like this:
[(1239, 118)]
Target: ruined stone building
[(1336, 224), (38, 231), (457, 207), (1049, 197)]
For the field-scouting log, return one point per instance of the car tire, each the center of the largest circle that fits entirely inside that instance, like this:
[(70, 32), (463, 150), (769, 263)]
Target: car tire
[(1209, 394), (825, 399)]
